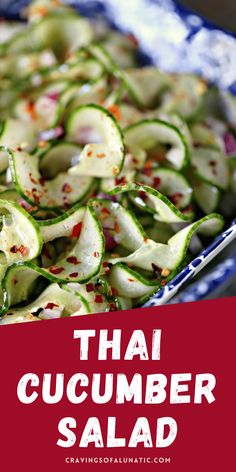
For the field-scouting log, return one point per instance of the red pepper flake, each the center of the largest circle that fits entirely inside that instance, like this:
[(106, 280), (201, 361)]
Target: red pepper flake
[(148, 165), (30, 108), (98, 299), (73, 260), (175, 198), (76, 230), (89, 154), (114, 291), (105, 264), (116, 227), (14, 281), (74, 274), (96, 254), (115, 111), (131, 280), (89, 288), (120, 181), (14, 249), (56, 270), (156, 182), (66, 188), (142, 194), (147, 172), (51, 305), (101, 155), (42, 181), (212, 163), (34, 181), (112, 307), (105, 211), (23, 250), (163, 282)]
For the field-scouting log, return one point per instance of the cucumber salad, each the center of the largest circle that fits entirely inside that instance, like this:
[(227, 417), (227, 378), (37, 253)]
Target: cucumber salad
[(113, 175)]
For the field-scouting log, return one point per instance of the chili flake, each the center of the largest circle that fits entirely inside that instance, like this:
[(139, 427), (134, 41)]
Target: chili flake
[(51, 305), (56, 270), (89, 288), (98, 299), (76, 230), (73, 260), (74, 274), (66, 188)]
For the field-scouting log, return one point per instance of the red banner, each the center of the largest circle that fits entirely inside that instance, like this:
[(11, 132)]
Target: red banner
[(146, 388)]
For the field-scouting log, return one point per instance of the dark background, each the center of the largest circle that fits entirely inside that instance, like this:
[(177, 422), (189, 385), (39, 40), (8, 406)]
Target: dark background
[(221, 12)]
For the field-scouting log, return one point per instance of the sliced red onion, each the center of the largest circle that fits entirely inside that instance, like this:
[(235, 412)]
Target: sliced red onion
[(53, 96), (230, 144), (52, 133), (111, 244)]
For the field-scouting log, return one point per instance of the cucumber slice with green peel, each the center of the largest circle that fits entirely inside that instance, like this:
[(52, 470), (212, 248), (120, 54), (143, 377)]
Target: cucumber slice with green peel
[(84, 70), (20, 237), (83, 260), (44, 112), (205, 137), (123, 303), (63, 33), (63, 225), (207, 196), (129, 283), (102, 55), (169, 182), (119, 223), (147, 134), (59, 158), (211, 166), (18, 284), (150, 199), (151, 255), (54, 302), (97, 302), (15, 134), (85, 94), (186, 96), (103, 156), (60, 192), (145, 85)]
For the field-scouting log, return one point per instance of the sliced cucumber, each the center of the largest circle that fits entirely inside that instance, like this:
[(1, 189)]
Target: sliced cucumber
[(145, 85), (44, 112), (104, 155), (162, 208), (75, 96), (83, 261), (15, 134), (152, 255), (147, 134), (211, 166), (205, 136), (169, 182), (207, 196), (63, 225), (63, 33), (60, 192), (129, 283), (20, 237), (186, 96), (119, 223)]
